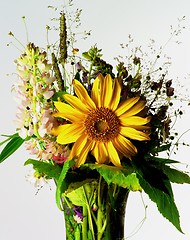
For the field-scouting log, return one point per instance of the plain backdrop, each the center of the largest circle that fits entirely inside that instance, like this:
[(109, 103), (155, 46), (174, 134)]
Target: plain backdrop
[(25, 215)]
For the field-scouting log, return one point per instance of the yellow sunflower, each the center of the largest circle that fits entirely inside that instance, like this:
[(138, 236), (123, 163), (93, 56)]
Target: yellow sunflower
[(100, 123)]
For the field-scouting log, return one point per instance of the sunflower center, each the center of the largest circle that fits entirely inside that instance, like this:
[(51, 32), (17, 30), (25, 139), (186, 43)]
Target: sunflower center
[(102, 125)]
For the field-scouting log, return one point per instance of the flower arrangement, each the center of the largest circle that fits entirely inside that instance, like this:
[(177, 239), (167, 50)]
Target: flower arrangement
[(98, 131)]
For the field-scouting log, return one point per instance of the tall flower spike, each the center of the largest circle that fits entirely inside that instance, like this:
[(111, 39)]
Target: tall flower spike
[(57, 72), (101, 124), (63, 39), (34, 89)]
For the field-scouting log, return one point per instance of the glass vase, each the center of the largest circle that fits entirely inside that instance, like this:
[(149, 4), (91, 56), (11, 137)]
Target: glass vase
[(94, 210)]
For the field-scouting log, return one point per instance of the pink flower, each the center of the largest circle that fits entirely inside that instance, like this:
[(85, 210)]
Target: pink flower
[(48, 93), (59, 159)]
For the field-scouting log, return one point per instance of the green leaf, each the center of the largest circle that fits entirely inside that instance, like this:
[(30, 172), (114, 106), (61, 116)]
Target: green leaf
[(58, 95), (161, 148), (82, 193), (176, 176), (60, 184), (51, 171), (8, 138), (86, 55), (164, 202), (77, 76), (123, 177), (160, 160), (153, 173), (15, 142), (133, 182)]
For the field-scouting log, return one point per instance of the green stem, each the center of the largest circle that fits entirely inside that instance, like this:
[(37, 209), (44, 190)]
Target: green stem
[(77, 233), (100, 213), (89, 215), (99, 193), (66, 201), (114, 190), (23, 18), (84, 223), (34, 99), (90, 222)]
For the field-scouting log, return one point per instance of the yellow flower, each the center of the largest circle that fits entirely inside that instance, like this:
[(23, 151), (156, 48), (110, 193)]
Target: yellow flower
[(75, 50), (100, 123)]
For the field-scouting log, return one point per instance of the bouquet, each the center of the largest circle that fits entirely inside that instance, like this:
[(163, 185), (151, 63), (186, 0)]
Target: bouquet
[(98, 130)]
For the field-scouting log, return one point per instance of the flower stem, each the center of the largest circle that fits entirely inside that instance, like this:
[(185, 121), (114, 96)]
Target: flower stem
[(88, 211), (77, 234), (34, 98), (84, 223), (100, 213)]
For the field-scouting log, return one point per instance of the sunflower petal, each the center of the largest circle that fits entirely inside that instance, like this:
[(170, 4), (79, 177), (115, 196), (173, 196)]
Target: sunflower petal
[(83, 95), (71, 118), (57, 130), (116, 95), (126, 105), (139, 106), (78, 146), (106, 91), (76, 103), (61, 106), (113, 154), (67, 112), (125, 146), (103, 153), (95, 93), (142, 128), (82, 157), (69, 133), (134, 134), (100, 153), (134, 120)]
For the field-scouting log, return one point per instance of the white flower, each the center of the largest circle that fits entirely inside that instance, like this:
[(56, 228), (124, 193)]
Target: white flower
[(49, 80), (48, 94), (37, 179), (77, 219)]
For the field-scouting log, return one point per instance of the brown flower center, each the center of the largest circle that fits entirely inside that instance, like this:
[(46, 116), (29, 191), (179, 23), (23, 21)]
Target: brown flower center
[(102, 125)]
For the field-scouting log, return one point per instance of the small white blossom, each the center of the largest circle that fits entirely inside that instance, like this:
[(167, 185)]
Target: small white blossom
[(36, 179), (77, 219)]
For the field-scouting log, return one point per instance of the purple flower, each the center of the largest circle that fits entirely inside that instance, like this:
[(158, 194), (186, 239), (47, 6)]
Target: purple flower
[(78, 211)]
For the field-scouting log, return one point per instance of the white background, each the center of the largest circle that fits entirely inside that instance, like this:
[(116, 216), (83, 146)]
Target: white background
[(23, 215)]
